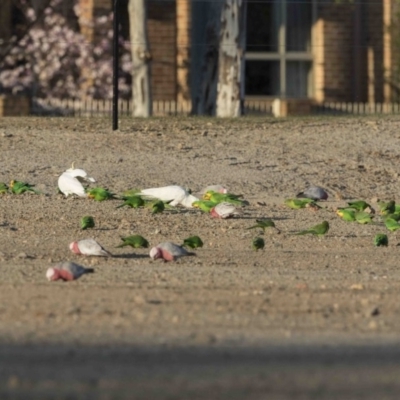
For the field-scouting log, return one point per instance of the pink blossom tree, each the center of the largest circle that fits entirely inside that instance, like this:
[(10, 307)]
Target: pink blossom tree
[(53, 59)]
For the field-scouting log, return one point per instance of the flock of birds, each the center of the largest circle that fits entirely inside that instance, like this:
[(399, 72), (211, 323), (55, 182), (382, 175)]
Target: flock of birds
[(216, 201)]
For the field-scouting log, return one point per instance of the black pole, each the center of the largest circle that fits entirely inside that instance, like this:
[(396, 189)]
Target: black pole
[(115, 67)]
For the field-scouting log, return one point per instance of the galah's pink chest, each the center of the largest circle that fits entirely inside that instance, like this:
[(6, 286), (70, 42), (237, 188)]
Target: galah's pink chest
[(167, 256), (66, 275)]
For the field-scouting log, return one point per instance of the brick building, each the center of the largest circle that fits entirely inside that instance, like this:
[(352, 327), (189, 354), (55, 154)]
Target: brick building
[(324, 50)]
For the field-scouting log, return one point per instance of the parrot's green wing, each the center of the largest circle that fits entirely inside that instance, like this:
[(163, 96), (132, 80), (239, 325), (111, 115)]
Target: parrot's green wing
[(346, 214), (19, 187), (203, 205), (133, 202), (100, 194), (258, 243), (135, 241), (296, 204), (363, 217), (386, 208), (3, 188), (157, 207), (359, 205), (193, 242), (381, 240), (319, 230), (87, 222), (392, 224)]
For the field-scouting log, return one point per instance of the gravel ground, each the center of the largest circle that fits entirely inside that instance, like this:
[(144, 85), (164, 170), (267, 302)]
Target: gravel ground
[(230, 320)]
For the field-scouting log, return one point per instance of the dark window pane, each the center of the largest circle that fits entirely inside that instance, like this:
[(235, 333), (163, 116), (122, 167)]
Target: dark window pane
[(262, 78), (298, 78), (299, 21), (263, 19)]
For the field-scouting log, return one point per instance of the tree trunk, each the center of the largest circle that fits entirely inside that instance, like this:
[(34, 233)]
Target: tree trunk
[(205, 102), (183, 39), (141, 57), (230, 90)]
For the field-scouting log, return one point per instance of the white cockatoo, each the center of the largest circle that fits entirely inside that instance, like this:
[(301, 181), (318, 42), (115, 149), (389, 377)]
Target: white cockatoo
[(69, 181), (173, 194)]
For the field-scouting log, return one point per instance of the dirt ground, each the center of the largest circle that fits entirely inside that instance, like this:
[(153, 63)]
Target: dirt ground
[(228, 321)]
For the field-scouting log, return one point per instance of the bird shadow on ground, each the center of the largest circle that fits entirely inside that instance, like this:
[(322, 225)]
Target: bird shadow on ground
[(260, 218), (104, 229), (130, 256)]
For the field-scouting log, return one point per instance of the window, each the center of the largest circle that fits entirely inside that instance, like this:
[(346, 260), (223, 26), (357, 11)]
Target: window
[(278, 51)]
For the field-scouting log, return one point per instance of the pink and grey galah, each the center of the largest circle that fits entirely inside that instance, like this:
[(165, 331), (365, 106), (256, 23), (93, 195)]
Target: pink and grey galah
[(224, 210), (67, 271), (169, 251), (88, 247)]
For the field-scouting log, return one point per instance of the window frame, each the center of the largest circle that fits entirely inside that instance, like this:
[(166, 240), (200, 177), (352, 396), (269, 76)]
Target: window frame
[(283, 56)]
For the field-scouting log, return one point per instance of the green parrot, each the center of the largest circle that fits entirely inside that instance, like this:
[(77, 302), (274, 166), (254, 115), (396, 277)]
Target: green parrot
[(363, 217), (264, 223), (18, 187), (347, 214), (395, 216), (203, 205), (296, 204), (100, 194), (157, 207), (217, 198), (87, 222), (135, 241), (258, 243), (318, 230), (133, 202), (193, 242), (359, 205), (386, 208), (381, 240), (392, 224), (3, 188)]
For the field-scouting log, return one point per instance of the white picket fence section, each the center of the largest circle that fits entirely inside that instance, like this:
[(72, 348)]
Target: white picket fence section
[(92, 107)]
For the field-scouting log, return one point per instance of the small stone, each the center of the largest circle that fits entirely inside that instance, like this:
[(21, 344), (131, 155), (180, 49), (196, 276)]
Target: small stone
[(375, 312), (357, 286)]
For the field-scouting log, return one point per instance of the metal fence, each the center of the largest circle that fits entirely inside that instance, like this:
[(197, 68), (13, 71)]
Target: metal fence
[(93, 107)]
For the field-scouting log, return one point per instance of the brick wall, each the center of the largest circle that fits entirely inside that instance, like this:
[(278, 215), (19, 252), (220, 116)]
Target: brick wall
[(161, 20), (162, 38), (333, 52), (349, 51), (11, 105)]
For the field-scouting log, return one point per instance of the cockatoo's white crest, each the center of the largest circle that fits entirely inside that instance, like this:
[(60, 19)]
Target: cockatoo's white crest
[(79, 173)]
